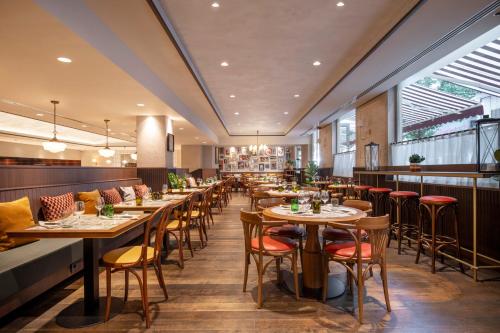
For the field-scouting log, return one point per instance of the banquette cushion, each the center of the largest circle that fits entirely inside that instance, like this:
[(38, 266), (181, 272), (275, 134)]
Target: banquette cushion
[(14, 215), (111, 196), (90, 199), (57, 207), (140, 190), (128, 193), (191, 182)]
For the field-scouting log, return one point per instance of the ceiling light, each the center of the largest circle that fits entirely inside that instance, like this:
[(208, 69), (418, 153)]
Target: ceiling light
[(84, 126), (296, 95), (340, 4), (64, 59), (236, 113), (196, 137), (316, 63), (204, 142), (140, 105), (108, 161), (232, 96), (181, 128), (224, 64), (215, 5), (285, 113), (39, 114), (54, 145), (106, 151), (279, 123)]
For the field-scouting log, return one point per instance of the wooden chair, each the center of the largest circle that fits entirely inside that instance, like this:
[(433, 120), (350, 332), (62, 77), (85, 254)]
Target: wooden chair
[(217, 197), (199, 215), (357, 253), (262, 246), (257, 195), (182, 225), (333, 234), (141, 257)]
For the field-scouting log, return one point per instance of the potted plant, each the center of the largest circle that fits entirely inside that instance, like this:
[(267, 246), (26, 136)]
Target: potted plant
[(415, 160), (173, 180), (311, 171), (290, 164)]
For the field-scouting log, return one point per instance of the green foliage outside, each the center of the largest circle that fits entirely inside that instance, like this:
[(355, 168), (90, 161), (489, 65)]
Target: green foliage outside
[(420, 133), (447, 87)]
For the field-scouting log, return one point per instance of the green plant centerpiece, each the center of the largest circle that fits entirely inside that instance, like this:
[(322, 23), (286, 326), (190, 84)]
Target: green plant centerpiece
[(311, 171), (108, 210), (415, 160), (173, 180)]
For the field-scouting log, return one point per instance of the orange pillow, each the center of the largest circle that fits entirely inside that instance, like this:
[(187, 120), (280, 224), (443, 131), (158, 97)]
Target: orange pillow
[(89, 199), (15, 215)]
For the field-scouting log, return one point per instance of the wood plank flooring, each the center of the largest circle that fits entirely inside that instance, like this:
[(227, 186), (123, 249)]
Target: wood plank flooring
[(206, 296)]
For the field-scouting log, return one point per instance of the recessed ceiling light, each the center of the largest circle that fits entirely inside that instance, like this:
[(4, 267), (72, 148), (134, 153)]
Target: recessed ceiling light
[(215, 5), (83, 125), (340, 4), (181, 128), (232, 96), (64, 59), (204, 142), (296, 95), (113, 133), (140, 105), (286, 112), (316, 63), (196, 137), (279, 123), (236, 113), (224, 64), (39, 114), (239, 124), (109, 129)]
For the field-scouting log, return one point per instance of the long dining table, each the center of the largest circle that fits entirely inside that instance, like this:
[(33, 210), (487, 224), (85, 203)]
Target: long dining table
[(312, 267), (91, 228)]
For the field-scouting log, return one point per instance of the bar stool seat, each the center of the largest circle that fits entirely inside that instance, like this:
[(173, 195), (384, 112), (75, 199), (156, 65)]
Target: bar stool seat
[(403, 194), (437, 200), (362, 187), (380, 190), (361, 191)]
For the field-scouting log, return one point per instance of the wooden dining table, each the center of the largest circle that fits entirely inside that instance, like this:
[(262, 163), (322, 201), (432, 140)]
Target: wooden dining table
[(150, 205), (312, 265)]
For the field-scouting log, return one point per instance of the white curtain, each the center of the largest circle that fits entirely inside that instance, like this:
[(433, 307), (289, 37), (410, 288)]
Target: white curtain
[(343, 164), (458, 148)]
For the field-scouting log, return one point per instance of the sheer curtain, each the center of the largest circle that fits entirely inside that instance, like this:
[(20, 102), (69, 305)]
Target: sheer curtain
[(455, 148), (343, 164)]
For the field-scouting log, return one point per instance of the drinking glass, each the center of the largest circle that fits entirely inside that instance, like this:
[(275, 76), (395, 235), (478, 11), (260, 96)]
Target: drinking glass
[(316, 204), (302, 199), (335, 202), (325, 196), (79, 208), (164, 190), (294, 205), (99, 203)]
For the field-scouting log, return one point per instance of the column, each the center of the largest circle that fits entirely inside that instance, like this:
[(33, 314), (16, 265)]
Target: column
[(152, 142)]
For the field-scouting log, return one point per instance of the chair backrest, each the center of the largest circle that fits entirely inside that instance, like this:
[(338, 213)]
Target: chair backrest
[(161, 214), (378, 233), (363, 205), (252, 224), (269, 202)]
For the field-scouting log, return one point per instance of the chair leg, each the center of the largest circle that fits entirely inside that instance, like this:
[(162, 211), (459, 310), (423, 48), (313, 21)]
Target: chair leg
[(145, 295), (383, 275), (181, 249), (245, 278), (159, 275), (278, 268), (457, 237), (260, 269), (360, 291), (325, 277), (350, 278), (108, 294), (433, 244), (127, 276), (188, 240), (295, 276)]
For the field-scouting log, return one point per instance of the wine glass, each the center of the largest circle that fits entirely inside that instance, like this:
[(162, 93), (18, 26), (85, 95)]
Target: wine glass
[(302, 199), (164, 189), (79, 208), (325, 196), (99, 203), (307, 199)]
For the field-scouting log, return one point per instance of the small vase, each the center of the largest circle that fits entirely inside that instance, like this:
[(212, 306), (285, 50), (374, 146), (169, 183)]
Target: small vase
[(415, 167)]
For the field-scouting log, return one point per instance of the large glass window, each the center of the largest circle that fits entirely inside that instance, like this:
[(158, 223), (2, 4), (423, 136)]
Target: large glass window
[(346, 132)]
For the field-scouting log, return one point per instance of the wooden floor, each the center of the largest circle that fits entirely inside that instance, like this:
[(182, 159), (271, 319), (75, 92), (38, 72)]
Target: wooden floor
[(206, 296)]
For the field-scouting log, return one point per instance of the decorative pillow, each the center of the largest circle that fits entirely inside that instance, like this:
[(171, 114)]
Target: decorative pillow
[(192, 182), (90, 199), (57, 207), (140, 190), (127, 193), (111, 196), (15, 215)]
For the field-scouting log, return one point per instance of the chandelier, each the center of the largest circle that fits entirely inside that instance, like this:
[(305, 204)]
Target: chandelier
[(254, 149), (54, 145), (106, 151)]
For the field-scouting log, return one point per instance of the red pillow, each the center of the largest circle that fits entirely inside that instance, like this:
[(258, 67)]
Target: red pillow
[(57, 207), (111, 196), (140, 190)]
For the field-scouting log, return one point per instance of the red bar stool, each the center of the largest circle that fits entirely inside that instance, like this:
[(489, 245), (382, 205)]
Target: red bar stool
[(399, 200), (361, 192), (437, 206), (379, 197)]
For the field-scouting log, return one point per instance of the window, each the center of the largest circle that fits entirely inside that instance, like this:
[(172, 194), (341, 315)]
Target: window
[(346, 132)]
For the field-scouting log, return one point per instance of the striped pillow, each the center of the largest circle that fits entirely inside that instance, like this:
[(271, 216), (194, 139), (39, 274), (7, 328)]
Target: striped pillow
[(57, 207), (111, 196), (127, 193)]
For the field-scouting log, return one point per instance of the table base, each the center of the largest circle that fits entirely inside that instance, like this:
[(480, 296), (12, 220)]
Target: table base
[(75, 316), (336, 285)]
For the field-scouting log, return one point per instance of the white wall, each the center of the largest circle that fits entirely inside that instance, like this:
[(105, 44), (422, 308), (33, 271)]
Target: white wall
[(13, 149)]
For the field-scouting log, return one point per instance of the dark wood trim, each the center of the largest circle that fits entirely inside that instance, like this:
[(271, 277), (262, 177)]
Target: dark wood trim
[(69, 184)]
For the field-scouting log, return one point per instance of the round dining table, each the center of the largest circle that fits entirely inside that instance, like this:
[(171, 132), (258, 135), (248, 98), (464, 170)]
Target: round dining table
[(283, 194), (312, 264)]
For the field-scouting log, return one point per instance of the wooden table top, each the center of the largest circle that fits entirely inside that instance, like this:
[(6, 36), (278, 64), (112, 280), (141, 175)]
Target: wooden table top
[(150, 205), (279, 213), (110, 228)]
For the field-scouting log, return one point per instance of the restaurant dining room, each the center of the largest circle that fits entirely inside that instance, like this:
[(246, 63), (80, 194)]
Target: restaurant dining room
[(250, 166)]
